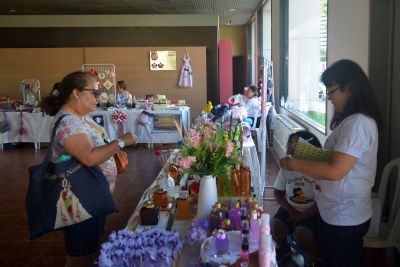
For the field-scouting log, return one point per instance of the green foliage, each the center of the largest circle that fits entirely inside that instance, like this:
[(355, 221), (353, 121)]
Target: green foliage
[(319, 117)]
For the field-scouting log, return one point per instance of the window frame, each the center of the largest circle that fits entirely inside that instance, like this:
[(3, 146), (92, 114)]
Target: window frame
[(284, 69)]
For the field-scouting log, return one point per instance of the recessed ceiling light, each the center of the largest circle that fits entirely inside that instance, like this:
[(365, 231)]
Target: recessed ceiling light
[(232, 9), (12, 10)]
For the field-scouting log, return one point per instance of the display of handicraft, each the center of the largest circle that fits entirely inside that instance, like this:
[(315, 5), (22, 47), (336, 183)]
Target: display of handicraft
[(30, 92), (105, 74), (119, 117)]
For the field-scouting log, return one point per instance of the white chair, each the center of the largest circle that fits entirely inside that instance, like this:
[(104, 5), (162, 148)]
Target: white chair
[(385, 234), (258, 130)]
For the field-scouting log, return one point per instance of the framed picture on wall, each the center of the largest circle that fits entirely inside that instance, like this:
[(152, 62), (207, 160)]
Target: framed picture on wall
[(162, 60)]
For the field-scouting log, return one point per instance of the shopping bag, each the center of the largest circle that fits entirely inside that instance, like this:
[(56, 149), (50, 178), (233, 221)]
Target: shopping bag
[(65, 193)]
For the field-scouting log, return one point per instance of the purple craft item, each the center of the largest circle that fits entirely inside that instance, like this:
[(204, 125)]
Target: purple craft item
[(22, 130)]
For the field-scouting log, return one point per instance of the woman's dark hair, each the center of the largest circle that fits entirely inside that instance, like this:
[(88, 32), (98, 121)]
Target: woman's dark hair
[(148, 96), (309, 137), (348, 73), (253, 89), (60, 93), (121, 84)]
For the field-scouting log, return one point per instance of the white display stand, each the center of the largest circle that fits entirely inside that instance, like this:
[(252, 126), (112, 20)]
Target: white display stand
[(105, 74)]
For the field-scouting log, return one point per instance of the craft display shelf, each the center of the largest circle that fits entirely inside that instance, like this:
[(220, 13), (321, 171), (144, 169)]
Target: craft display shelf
[(105, 74)]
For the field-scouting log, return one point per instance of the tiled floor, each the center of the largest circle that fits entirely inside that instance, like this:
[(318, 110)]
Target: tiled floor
[(15, 247)]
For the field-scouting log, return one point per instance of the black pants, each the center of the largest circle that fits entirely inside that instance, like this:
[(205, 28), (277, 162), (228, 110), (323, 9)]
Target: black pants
[(343, 245)]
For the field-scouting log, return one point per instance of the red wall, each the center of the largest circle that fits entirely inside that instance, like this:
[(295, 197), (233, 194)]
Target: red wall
[(225, 70)]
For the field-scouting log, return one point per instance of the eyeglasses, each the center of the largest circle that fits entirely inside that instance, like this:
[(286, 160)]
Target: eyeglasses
[(96, 93), (329, 93)]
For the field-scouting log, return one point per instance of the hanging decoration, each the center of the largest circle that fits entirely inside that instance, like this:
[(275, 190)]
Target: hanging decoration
[(105, 75), (119, 117), (22, 130), (186, 76)]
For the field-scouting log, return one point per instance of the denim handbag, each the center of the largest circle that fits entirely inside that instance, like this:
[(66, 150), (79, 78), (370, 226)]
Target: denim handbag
[(65, 193)]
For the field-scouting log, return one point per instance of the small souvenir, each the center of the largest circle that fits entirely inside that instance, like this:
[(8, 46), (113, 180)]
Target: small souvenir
[(111, 97), (101, 75), (160, 198), (103, 98), (108, 84), (154, 65), (149, 214), (154, 55), (111, 75), (106, 71), (160, 65)]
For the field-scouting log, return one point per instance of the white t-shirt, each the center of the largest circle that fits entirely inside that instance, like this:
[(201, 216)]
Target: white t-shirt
[(347, 202), (299, 189), (253, 107)]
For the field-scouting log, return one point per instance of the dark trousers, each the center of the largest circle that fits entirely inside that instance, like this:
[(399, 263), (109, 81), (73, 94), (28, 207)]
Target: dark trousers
[(343, 245)]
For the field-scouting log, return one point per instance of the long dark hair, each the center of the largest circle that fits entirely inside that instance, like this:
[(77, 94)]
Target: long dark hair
[(309, 137), (60, 93), (348, 73)]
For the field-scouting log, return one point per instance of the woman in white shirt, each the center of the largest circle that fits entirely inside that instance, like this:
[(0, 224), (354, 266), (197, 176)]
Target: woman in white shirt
[(252, 104), (343, 184)]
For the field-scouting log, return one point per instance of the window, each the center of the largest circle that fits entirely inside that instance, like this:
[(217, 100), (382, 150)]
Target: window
[(266, 31), (305, 30), (251, 52)]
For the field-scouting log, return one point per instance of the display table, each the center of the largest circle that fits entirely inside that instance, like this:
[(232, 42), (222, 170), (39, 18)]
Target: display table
[(37, 126), (190, 254)]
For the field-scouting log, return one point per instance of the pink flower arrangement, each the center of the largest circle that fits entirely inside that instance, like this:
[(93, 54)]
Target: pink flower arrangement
[(209, 150)]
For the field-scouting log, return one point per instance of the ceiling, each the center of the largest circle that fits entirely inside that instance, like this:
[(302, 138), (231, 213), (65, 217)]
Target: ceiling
[(230, 12)]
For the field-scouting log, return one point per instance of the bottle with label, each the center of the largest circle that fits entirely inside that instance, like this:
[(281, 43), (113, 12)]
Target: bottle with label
[(245, 181), (216, 218), (227, 226), (234, 215), (183, 206), (245, 255), (254, 235)]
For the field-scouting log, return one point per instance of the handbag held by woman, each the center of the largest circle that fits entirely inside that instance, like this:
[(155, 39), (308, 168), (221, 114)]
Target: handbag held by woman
[(65, 193)]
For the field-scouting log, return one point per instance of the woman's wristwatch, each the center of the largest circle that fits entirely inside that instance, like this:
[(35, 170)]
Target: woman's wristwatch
[(121, 143)]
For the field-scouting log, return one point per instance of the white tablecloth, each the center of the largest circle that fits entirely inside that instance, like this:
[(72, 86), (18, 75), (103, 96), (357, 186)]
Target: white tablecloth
[(37, 126)]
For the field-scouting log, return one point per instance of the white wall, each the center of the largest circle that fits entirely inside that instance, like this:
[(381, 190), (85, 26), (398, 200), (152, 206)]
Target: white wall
[(348, 37)]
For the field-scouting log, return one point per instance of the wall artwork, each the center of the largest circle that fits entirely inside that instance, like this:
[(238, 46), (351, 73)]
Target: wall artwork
[(162, 60)]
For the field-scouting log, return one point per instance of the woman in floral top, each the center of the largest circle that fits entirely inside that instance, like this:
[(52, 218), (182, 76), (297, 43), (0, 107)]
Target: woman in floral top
[(79, 137)]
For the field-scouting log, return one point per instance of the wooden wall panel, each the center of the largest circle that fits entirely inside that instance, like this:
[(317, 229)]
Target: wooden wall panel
[(48, 65), (132, 66), (122, 37)]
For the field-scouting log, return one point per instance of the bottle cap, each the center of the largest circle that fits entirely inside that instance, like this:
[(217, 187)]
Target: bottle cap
[(237, 204), (149, 205), (218, 205)]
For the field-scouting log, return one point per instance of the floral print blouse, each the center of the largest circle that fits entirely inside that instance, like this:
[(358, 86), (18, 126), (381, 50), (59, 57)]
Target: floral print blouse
[(72, 124)]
